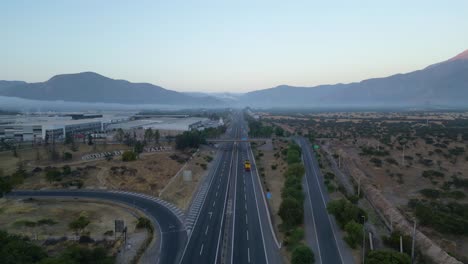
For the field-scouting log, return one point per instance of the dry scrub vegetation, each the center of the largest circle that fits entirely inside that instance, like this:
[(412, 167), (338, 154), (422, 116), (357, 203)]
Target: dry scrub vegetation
[(418, 161)]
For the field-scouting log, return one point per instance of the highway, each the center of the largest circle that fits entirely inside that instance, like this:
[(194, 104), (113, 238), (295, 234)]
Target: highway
[(205, 243), (253, 238), (321, 230), (172, 231), (233, 225)]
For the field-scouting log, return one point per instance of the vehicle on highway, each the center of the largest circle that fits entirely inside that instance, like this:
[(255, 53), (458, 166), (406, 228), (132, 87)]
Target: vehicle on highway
[(247, 165)]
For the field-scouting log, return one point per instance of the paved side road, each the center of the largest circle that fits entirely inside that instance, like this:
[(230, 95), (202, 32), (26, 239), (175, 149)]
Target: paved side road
[(322, 232), (172, 231)]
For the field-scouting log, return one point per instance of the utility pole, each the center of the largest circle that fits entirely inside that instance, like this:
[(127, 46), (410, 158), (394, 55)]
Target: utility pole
[(391, 223), (403, 156), (401, 244), (359, 187), (363, 239), (412, 244)]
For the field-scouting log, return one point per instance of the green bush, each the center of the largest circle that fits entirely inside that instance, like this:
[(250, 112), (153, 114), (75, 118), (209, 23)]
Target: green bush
[(430, 193), (291, 212), (129, 156), (387, 257), (432, 173), (67, 156), (66, 170), (302, 255), (344, 211), (53, 175), (5, 186), (144, 222)]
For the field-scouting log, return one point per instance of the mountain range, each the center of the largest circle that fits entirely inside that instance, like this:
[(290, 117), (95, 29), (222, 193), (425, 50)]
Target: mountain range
[(90, 87), (440, 84)]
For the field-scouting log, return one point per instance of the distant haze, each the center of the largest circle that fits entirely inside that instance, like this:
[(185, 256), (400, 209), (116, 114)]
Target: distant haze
[(228, 46), (443, 84)]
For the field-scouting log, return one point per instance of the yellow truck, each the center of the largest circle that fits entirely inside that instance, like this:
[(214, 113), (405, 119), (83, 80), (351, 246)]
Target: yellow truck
[(247, 165)]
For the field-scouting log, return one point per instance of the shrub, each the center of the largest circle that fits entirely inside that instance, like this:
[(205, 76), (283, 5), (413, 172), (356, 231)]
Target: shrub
[(53, 175), (291, 212), (377, 162), (66, 170), (129, 156), (430, 193), (393, 241), (144, 222), (391, 161), (353, 233), (67, 156), (345, 211), (387, 257), (302, 255), (432, 173), (295, 237)]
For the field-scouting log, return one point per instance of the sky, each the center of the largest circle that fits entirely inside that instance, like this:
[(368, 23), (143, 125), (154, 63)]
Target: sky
[(228, 46)]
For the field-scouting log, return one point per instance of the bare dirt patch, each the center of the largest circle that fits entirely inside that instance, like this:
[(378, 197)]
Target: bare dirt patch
[(180, 192), (271, 168)]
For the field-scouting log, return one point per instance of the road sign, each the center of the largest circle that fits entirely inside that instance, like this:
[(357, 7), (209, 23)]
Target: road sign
[(316, 147), (268, 195), (119, 226)]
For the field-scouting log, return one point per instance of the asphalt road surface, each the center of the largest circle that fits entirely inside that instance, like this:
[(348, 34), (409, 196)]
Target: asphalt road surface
[(327, 242)]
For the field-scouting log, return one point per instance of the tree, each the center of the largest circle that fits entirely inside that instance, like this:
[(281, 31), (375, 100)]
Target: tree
[(302, 255), (138, 148), (53, 175), (279, 132), (148, 137), (66, 170), (345, 211), (19, 175), (16, 249), (353, 233), (190, 139), (291, 212), (119, 135), (129, 156), (387, 257), (69, 138), (156, 136), (5, 186)]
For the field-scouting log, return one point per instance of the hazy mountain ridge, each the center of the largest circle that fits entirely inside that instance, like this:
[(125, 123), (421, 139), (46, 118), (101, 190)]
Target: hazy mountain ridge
[(91, 87), (8, 84), (443, 83)]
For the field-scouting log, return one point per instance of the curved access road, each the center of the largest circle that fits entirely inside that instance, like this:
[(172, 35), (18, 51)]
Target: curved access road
[(167, 217)]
